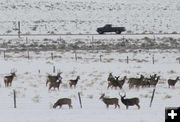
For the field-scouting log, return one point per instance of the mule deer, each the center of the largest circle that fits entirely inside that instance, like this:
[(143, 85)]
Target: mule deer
[(51, 78), (117, 83), (113, 82), (130, 101), (63, 101), (172, 82), (135, 81), (74, 82), (121, 82), (154, 82), (8, 79), (110, 77), (110, 101), (55, 84)]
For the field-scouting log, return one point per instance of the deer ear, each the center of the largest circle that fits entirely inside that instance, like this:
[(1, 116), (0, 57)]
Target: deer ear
[(120, 94)]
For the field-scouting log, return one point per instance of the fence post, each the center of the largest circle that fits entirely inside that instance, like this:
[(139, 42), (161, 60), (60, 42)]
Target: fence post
[(4, 54), (92, 42), (54, 69), (14, 92), (75, 54), (127, 60), (26, 40), (100, 58), (28, 53), (80, 99), (52, 56), (152, 98), (19, 29), (153, 59)]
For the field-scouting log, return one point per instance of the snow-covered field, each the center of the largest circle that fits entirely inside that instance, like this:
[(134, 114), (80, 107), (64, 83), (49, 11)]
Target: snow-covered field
[(34, 101), (84, 16)]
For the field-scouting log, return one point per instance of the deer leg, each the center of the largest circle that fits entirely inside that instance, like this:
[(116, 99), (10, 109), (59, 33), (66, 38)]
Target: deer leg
[(47, 82), (50, 87), (70, 106), (115, 106), (108, 86), (138, 106), (107, 106), (118, 105), (126, 107)]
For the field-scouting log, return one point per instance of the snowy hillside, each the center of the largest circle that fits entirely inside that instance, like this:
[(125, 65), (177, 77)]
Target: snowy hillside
[(84, 16)]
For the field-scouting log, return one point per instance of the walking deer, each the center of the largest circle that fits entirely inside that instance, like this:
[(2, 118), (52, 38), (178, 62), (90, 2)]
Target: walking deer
[(110, 101), (130, 101)]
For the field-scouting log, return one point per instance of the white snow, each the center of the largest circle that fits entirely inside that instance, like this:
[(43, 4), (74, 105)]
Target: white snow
[(84, 16), (34, 101)]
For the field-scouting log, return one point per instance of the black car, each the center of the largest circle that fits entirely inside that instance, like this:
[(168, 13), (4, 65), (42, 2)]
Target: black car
[(109, 28)]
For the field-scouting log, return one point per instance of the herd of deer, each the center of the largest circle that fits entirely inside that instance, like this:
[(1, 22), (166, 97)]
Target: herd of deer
[(54, 81), (114, 81)]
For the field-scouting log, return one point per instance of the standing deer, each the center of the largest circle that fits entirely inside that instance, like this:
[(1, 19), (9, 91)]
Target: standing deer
[(51, 78), (172, 82), (154, 82), (55, 84), (121, 82), (63, 101), (8, 79), (117, 83), (110, 77), (113, 82), (135, 82), (74, 82), (130, 101), (110, 101)]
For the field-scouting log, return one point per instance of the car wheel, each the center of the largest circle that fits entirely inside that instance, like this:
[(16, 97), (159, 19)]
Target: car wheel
[(100, 32), (118, 32)]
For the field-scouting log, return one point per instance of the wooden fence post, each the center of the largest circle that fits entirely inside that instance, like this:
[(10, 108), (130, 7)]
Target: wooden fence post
[(152, 98), (92, 42), (153, 59), (127, 60), (54, 69), (19, 29), (75, 54), (28, 54), (4, 54), (52, 56), (14, 92), (80, 99), (100, 58), (26, 40)]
